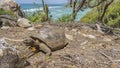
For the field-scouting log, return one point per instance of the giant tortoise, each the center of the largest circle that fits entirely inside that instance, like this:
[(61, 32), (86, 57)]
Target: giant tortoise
[(49, 38)]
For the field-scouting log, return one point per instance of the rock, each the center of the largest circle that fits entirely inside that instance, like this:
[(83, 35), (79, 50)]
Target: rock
[(1, 52), (70, 37), (7, 20), (5, 27), (12, 19), (31, 29), (35, 27), (23, 22), (74, 30), (87, 35), (83, 43), (38, 26), (10, 5), (6, 55), (107, 39), (9, 57), (4, 5)]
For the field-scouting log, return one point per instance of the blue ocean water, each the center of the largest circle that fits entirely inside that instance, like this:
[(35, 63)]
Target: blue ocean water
[(56, 10)]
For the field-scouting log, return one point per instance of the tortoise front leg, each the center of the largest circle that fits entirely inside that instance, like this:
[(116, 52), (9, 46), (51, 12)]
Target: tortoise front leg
[(45, 49)]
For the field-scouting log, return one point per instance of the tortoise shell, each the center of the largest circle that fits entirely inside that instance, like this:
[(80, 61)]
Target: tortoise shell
[(52, 36)]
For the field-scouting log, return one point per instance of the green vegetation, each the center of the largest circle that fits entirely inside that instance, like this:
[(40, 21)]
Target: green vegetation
[(90, 17), (4, 12), (112, 16), (37, 17), (64, 18)]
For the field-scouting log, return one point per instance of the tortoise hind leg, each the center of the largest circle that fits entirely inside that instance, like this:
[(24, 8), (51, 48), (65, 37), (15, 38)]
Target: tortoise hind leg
[(45, 49)]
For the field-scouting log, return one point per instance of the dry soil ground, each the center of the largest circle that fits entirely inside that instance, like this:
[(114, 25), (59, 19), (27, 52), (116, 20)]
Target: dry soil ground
[(87, 48)]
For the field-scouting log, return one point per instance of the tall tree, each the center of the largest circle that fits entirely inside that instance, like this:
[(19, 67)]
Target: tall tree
[(82, 4), (102, 6), (102, 9), (43, 4), (76, 8)]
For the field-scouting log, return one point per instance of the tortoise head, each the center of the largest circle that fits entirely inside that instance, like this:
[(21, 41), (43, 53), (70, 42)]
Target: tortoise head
[(28, 41)]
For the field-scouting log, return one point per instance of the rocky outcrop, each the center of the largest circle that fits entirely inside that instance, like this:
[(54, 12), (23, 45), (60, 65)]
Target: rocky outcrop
[(10, 5), (9, 57), (12, 14), (7, 20)]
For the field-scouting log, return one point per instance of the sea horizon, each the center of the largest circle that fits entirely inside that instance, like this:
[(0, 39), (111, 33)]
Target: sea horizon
[(34, 5), (56, 10)]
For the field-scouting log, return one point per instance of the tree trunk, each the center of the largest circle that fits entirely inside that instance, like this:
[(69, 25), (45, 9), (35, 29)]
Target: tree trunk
[(74, 16), (70, 3), (101, 13), (77, 9), (46, 11), (43, 3), (104, 9), (74, 11)]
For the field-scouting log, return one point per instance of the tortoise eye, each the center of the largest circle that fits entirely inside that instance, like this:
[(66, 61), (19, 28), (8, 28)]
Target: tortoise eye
[(26, 40)]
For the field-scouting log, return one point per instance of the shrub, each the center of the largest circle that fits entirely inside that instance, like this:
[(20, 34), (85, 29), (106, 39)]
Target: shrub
[(90, 17), (37, 17), (111, 18), (64, 18)]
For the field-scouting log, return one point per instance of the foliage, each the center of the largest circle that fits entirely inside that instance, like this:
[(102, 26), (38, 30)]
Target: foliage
[(37, 17), (112, 16), (64, 18), (90, 17), (4, 12), (40, 16)]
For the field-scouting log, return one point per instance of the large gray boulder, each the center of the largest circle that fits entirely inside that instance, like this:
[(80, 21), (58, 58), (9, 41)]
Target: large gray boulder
[(7, 20), (12, 15), (6, 55), (9, 57), (10, 5)]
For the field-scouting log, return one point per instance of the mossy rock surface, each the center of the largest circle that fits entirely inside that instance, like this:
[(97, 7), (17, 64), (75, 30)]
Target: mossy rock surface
[(4, 12)]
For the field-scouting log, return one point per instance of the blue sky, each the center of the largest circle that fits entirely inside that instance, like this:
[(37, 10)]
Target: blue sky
[(46, 1)]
